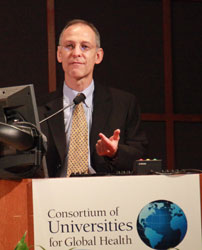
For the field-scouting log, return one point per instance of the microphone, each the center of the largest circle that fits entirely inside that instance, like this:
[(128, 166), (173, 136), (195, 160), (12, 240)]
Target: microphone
[(79, 98)]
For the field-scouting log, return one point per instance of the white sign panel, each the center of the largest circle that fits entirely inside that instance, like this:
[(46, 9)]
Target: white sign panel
[(122, 213)]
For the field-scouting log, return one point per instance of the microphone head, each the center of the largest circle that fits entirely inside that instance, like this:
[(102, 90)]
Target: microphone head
[(79, 98)]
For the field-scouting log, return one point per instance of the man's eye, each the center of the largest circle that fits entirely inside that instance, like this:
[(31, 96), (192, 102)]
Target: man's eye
[(84, 47), (69, 47)]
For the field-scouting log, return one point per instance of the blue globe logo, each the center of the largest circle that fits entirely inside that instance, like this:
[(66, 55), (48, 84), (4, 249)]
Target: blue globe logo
[(161, 224)]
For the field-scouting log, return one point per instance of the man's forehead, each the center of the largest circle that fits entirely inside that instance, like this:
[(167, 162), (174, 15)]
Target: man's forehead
[(79, 31)]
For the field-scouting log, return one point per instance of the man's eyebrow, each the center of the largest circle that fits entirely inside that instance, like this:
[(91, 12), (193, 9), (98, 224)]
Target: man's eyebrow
[(68, 41), (84, 42), (71, 41)]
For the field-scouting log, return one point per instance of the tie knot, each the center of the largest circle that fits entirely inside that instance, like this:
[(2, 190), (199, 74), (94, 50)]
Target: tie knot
[(79, 98)]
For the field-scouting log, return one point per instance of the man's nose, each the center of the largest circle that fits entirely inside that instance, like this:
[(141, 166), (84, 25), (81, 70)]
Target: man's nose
[(77, 50)]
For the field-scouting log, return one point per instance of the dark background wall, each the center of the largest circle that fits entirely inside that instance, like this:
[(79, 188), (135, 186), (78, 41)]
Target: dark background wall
[(23, 44), (152, 49)]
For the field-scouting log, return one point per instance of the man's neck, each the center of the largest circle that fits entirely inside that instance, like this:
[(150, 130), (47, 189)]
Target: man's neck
[(78, 85)]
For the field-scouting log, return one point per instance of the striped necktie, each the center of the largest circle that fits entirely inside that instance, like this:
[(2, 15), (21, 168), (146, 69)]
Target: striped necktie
[(78, 147)]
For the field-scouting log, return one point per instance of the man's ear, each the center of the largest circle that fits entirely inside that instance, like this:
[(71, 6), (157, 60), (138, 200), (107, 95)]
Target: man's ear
[(59, 54), (99, 55)]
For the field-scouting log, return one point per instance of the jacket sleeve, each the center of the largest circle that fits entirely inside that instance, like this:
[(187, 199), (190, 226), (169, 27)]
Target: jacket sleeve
[(133, 142)]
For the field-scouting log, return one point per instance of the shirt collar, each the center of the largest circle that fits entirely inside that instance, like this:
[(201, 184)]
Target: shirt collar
[(69, 94)]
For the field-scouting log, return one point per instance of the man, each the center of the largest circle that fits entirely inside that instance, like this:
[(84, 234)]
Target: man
[(113, 116)]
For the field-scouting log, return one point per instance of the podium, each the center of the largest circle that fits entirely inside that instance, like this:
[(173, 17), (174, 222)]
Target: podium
[(16, 213), (56, 209)]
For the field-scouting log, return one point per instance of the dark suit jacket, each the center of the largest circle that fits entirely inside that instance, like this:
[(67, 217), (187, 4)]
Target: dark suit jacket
[(112, 109)]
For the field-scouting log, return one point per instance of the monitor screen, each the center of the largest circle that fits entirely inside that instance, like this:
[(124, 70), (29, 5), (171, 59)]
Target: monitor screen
[(21, 141), (18, 103)]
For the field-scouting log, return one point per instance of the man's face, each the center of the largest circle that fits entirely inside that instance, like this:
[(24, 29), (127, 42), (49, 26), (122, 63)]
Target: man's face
[(78, 52)]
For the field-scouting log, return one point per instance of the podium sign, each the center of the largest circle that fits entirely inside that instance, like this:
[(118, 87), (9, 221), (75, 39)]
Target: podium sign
[(118, 212)]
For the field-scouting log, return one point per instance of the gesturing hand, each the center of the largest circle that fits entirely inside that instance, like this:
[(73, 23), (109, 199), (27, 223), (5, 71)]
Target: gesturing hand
[(108, 146)]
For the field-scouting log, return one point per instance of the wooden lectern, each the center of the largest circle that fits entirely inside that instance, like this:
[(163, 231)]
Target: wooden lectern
[(16, 212)]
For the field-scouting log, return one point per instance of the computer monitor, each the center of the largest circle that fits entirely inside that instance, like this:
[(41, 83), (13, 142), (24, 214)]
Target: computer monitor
[(18, 102), (21, 141)]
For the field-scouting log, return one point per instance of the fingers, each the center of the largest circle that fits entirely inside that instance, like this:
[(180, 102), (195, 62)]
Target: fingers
[(108, 146), (116, 135), (104, 139), (101, 148)]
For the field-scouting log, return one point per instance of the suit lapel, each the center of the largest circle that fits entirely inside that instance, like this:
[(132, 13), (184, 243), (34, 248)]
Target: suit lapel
[(102, 106), (56, 125)]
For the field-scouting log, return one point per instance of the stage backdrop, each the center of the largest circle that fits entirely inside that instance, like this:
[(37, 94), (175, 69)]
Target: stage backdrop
[(118, 213)]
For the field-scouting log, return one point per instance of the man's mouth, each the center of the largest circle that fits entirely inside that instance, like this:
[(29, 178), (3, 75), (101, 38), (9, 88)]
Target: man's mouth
[(76, 63)]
